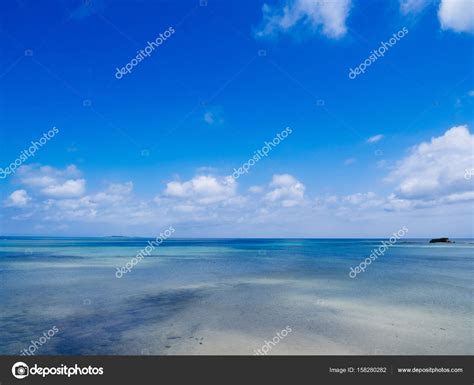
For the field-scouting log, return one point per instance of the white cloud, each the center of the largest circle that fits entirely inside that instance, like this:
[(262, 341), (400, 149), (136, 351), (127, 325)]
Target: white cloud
[(115, 193), (59, 196), (287, 190), (256, 189), (349, 161), (206, 170), (331, 199), (52, 182), (113, 205), (348, 204), (432, 175), (283, 180), (436, 169), (471, 93), (38, 180), (120, 188), (457, 15), (413, 6), (36, 175), (204, 189), (395, 203), (69, 189), (328, 16), (207, 204), (186, 208), (375, 138), (18, 198), (32, 174), (363, 200)]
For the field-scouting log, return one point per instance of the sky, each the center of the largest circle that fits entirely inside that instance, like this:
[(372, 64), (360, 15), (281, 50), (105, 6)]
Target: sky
[(152, 107)]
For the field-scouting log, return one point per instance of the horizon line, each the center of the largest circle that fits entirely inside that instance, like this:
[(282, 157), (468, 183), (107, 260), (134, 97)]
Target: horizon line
[(191, 238)]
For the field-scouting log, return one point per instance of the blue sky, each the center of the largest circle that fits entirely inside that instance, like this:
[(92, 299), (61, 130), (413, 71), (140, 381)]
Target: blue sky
[(157, 147)]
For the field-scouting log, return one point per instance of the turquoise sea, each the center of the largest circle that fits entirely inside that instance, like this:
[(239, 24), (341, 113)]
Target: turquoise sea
[(229, 296)]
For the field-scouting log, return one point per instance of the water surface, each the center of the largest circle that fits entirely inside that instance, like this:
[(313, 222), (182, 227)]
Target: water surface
[(227, 296)]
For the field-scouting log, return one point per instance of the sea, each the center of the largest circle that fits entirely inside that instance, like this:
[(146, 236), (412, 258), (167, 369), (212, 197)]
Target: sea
[(65, 296)]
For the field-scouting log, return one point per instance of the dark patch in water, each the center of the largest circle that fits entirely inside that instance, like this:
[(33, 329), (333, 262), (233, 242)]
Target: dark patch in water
[(38, 256), (101, 332)]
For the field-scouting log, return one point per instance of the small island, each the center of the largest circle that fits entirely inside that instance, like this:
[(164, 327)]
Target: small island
[(441, 240)]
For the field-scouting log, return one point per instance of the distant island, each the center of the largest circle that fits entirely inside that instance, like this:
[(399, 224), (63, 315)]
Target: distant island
[(441, 240)]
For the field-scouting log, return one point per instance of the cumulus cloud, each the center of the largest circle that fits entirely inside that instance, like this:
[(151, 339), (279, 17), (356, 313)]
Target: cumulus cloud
[(204, 189), (430, 176), (363, 200), (36, 175), (18, 198), (286, 190), (348, 204), (436, 169), (60, 196), (51, 181), (375, 138), (256, 189), (68, 189), (115, 193), (120, 188), (113, 205), (327, 16), (457, 15)]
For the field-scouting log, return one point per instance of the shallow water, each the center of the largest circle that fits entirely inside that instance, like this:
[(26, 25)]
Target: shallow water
[(227, 296)]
